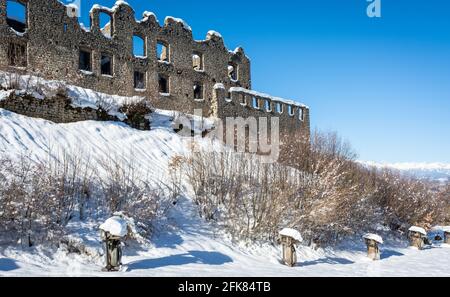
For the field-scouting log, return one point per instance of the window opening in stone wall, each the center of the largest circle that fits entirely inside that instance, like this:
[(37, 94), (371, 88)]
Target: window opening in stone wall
[(268, 105), (290, 110), (163, 82), (16, 15), (17, 54), (198, 91), (139, 80), (197, 61), (105, 22), (233, 71), (162, 51), (301, 114), (85, 63), (243, 99), (255, 103), (279, 107), (106, 64), (138, 46)]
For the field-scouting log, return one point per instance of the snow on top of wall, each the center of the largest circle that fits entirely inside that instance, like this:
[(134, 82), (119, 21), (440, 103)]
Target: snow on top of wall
[(291, 233), (80, 97), (418, 230), (148, 14), (374, 237), (219, 86), (272, 98), (111, 10), (212, 33), (116, 225), (178, 20)]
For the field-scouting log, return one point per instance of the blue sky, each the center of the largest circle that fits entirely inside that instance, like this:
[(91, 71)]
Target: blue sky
[(383, 84)]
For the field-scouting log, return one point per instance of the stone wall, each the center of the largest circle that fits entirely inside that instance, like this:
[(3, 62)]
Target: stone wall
[(54, 39), (294, 119), (57, 109)]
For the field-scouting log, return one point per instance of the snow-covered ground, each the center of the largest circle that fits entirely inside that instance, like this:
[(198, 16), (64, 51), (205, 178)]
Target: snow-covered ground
[(186, 245)]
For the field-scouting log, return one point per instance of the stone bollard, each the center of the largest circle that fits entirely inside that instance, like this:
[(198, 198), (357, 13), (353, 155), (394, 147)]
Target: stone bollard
[(288, 239), (372, 242), (113, 232), (417, 237)]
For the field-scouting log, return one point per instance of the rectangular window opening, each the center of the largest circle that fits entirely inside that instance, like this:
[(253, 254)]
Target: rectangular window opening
[(163, 82), (162, 51), (198, 91), (106, 64), (85, 63), (139, 80), (17, 54)]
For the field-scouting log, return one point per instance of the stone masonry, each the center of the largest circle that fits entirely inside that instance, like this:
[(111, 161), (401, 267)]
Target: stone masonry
[(186, 75)]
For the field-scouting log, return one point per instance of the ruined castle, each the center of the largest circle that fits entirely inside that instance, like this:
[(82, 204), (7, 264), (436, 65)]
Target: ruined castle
[(171, 69)]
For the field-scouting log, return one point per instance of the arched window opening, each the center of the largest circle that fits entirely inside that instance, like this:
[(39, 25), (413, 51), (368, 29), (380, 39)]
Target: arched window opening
[(233, 71), (197, 61), (255, 103), (279, 107), (268, 105), (290, 110), (16, 15), (243, 99), (301, 114), (105, 22)]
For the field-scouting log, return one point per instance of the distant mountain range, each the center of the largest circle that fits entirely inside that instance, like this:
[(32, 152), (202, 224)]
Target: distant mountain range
[(432, 171)]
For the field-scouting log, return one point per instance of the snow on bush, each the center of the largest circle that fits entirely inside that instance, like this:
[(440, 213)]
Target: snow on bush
[(328, 197), (38, 199)]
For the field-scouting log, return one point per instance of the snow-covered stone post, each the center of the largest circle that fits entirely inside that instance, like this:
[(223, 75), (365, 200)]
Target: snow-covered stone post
[(113, 230), (372, 242), (288, 239), (417, 237)]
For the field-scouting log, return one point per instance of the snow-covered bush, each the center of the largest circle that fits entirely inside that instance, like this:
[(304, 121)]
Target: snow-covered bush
[(125, 188), (38, 199), (327, 197)]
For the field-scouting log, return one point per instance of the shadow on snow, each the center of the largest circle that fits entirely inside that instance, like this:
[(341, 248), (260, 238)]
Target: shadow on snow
[(327, 260), (191, 257), (8, 264)]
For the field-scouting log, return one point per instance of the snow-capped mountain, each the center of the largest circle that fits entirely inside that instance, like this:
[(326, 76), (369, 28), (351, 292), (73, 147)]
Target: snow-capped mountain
[(432, 171)]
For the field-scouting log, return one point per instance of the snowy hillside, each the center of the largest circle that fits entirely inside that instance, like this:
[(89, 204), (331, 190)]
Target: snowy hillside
[(185, 245)]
